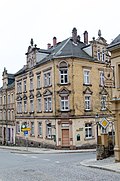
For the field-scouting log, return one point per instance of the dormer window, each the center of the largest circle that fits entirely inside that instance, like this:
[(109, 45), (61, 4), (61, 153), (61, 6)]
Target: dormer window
[(98, 54), (63, 69)]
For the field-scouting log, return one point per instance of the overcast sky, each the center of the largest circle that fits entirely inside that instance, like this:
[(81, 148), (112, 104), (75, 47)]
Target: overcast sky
[(21, 20)]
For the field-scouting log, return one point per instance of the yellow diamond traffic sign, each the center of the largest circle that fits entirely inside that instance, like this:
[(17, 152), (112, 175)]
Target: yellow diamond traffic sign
[(104, 123)]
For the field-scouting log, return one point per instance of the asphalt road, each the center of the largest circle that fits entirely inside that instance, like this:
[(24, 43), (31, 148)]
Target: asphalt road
[(50, 167)]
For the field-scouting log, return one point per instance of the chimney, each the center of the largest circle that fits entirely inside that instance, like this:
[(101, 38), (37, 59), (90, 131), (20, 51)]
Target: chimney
[(74, 35), (86, 37), (54, 41), (48, 45)]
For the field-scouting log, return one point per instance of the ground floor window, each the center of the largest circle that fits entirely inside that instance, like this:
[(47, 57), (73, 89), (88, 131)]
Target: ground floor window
[(49, 130), (88, 130)]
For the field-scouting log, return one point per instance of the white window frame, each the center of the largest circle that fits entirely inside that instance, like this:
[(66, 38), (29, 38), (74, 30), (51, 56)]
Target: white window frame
[(19, 106), (103, 102), (39, 104), (63, 75), (9, 115), (87, 102), (38, 81), (18, 128), (102, 78), (32, 128), (40, 129), (98, 54), (31, 105), (19, 87), (88, 130), (64, 102), (25, 106), (47, 79), (49, 130), (31, 83), (86, 76), (8, 99), (48, 103), (25, 85)]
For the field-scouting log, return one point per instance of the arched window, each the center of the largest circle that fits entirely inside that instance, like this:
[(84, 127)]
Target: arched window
[(63, 70)]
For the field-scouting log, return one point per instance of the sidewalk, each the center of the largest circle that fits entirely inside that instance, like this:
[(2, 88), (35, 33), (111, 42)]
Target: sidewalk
[(34, 150), (105, 164)]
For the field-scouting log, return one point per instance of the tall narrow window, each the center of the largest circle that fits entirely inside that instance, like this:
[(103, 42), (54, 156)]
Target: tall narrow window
[(103, 102), (86, 76), (25, 86), (98, 54), (48, 103), (32, 128), (40, 129), (38, 81), (25, 106), (87, 103), (31, 105), (31, 84), (64, 103), (8, 99), (63, 69), (103, 55), (88, 130), (102, 79), (47, 79), (49, 130), (39, 104)]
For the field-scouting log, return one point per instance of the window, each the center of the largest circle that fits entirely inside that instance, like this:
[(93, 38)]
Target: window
[(39, 104), (8, 99), (47, 79), (12, 115), (12, 98), (24, 86), (87, 103), (32, 128), (0, 115), (19, 87), (48, 103), (86, 77), (63, 69), (63, 76), (4, 115), (103, 55), (9, 115), (38, 81), (19, 106), (98, 54), (4, 99), (103, 102), (31, 84), (39, 129), (25, 106), (31, 105), (64, 103), (17, 127), (0, 100), (49, 130), (88, 130), (101, 78)]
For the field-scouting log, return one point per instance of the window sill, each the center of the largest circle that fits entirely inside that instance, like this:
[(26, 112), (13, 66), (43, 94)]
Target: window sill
[(87, 84), (63, 84), (31, 112), (40, 136), (31, 90), (47, 86), (39, 88), (91, 138), (24, 91), (48, 111), (89, 110), (32, 135), (39, 111), (48, 138)]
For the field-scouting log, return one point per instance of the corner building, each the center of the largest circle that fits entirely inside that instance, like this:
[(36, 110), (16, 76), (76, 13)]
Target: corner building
[(59, 92)]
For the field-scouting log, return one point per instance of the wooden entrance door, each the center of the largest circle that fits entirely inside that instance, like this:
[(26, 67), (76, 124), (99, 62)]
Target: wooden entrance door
[(65, 137)]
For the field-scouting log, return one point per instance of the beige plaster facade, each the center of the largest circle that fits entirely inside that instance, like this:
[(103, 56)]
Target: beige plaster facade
[(58, 99), (7, 109)]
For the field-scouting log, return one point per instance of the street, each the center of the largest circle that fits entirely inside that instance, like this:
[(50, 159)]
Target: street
[(50, 167)]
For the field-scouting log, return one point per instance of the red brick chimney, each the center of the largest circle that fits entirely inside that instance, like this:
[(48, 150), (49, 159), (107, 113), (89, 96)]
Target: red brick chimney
[(48, 45), (54, 41), (86, 37)]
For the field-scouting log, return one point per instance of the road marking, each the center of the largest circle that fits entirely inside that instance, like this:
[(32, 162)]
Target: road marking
[(57, 162), (46, 159), (33, 157)]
